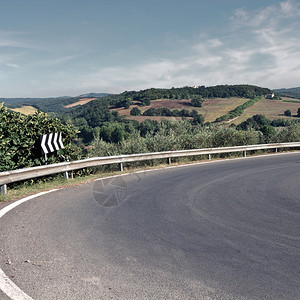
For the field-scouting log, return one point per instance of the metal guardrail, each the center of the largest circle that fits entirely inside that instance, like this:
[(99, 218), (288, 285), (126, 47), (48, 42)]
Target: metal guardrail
[(65, 167)]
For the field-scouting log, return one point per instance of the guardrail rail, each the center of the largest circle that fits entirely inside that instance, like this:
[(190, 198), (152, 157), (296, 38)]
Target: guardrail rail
[(65, 167)]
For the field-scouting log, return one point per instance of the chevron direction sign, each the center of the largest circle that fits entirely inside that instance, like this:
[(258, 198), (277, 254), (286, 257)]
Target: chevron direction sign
[(51, 142)]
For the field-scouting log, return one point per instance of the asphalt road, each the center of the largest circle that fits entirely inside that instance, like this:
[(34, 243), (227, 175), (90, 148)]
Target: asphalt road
[(224, 230)]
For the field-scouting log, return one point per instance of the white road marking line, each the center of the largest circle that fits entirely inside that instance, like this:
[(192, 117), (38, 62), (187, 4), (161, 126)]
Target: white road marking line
[(6, 285)]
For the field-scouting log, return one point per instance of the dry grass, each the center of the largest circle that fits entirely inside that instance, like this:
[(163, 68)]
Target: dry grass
[(81, 101), (272, 109), (215, 108), (25, 110)]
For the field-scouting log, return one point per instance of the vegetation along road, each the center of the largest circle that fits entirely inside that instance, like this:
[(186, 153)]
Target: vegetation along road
[(218, 230)]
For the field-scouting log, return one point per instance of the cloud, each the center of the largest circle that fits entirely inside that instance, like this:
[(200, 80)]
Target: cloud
[(270, 15), (12, 65), (12, 39), (260, 47), (290, 8), (54, 61)]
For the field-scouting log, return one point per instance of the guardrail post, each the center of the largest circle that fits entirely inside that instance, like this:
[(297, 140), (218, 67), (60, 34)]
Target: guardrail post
[(276, 150), (66, 175), (169, 160), (245, 153), (3, 189), (209, 156), (121, 167)]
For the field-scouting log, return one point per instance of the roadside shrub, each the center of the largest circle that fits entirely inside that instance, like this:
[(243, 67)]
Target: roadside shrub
[(20, 139), (288, 134)]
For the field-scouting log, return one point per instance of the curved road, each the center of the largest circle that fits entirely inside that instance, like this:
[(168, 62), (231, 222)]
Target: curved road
[(219, 230)]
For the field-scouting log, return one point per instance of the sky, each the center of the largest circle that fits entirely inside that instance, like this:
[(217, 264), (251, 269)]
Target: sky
[(71, 47)]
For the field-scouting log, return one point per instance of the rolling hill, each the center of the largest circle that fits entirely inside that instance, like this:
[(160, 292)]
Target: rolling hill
[(291, 92), (217, 101)]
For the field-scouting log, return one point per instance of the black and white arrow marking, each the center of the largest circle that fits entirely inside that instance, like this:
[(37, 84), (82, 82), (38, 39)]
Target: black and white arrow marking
[(51, 142)]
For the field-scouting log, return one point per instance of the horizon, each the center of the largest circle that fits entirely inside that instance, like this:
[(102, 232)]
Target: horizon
[(88, 93), (60, 48)]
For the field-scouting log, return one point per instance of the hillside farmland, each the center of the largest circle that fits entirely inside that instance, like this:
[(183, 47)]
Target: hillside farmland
[(272, 109), (211, 108)]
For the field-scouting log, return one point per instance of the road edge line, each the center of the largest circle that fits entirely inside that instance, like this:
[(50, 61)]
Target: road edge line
[(7, 286)]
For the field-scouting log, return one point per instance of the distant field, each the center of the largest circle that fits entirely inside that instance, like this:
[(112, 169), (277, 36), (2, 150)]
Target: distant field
[(272, 109), (81, 101), (25, 110), (211, 108)]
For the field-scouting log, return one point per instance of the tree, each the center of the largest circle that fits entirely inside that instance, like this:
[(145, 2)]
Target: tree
[(256, 122), (288, 113), (194, 113), (184, 113), (148, 126), (197, 101), (198, 120), (145, 102), (150, 112), (135, 111), (105, 133), (268, 132), (127, 104), (117, 135)]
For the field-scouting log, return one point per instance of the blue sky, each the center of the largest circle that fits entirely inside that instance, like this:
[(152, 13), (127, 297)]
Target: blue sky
[(71, 47)]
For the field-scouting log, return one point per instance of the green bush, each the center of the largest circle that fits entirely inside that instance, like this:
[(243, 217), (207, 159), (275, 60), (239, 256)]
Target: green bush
[(20, 139)]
